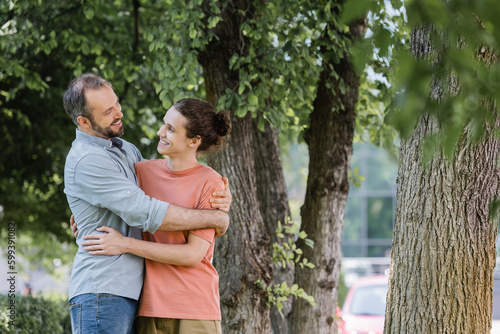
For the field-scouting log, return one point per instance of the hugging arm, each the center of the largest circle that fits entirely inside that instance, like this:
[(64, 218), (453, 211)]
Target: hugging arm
[(114, 243), (182, 219)]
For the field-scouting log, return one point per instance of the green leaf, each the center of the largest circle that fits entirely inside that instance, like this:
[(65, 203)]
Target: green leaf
[(88, 12), (253, 100), (241, 88), (233, 60), (261, 127), (193, 33), (213, 20), (163, 94), (241, 111), (166, 104)]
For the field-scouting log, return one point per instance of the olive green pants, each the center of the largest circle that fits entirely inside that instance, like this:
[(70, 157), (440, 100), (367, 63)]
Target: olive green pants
[(147, 325)]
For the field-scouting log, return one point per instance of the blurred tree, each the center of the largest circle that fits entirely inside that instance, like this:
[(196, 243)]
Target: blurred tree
[(443, 252), (344, 54), (330, 139)]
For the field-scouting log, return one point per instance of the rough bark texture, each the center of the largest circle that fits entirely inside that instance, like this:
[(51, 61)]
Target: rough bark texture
[(271, 186), (330, 147), (273, 202), (443, 252), (241, 255)]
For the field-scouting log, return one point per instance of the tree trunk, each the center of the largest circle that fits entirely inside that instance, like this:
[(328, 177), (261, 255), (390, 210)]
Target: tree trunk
[(330, 147), (241, 255), (443, 251), (273, 203), (271, 186)]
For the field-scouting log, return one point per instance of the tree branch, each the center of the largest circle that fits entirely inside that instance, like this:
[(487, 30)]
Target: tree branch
[(135, 45), (136, 30)]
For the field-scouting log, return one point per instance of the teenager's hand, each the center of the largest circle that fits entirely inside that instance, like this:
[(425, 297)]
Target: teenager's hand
[(111, 242), (72, 224), (222, 199)]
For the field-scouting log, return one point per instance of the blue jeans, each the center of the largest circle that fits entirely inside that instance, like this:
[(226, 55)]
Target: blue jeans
[(102, 313)]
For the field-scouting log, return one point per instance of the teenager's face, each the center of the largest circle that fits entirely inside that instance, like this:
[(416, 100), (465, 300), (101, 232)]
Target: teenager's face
[(173, 140), (106, 120)]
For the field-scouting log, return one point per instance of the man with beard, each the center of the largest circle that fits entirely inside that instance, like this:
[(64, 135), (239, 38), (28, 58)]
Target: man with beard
[(101, 188)]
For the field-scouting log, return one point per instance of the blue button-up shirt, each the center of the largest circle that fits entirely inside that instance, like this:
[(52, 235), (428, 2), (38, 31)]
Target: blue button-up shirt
[(101, 188)]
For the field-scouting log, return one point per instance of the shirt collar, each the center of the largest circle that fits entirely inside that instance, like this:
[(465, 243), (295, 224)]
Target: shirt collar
[(80, 135), (116, 142)]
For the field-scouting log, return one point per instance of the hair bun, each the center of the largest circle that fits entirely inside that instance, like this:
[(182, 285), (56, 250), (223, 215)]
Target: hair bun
[(222, 123)]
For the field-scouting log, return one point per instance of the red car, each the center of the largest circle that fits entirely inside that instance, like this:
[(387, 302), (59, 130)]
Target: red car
[(364, 307)]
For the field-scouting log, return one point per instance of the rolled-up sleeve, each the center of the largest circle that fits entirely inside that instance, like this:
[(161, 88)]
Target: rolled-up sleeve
[(99, 181)]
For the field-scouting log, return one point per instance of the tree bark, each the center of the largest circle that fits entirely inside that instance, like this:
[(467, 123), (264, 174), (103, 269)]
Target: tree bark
[(241, 255), (273, 203), (271, 186), (443, 251), (329, 139)]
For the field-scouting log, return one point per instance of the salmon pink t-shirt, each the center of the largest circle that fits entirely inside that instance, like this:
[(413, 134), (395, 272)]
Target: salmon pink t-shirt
[(172, 291)]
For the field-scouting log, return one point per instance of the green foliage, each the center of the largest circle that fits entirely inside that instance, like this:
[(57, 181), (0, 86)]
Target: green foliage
[(33, 315), (279, 67), (356, 178), (43, 249), (457, 82), (286, 253), (279, 293), (374, 57)]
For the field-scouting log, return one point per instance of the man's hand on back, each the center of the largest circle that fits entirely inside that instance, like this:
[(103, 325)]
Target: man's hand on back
[(222, 199), (72, 224)]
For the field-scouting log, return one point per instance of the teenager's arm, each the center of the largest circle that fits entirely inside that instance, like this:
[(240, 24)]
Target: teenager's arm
[(114, 243)]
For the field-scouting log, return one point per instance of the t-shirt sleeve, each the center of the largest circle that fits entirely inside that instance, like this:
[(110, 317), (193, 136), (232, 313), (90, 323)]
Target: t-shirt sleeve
[(210, 187)]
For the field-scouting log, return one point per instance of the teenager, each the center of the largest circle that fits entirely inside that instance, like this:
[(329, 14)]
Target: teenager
[(180, 293)]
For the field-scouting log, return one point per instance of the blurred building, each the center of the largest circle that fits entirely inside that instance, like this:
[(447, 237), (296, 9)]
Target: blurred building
[(369, 213)]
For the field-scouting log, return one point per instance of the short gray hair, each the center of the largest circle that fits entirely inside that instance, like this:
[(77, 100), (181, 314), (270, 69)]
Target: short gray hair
[(74, 99)]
